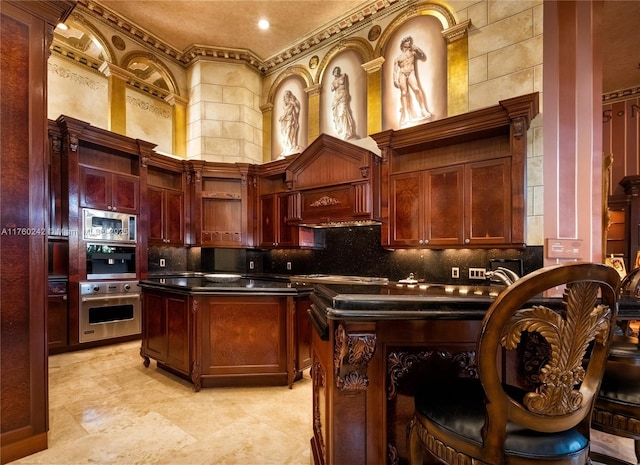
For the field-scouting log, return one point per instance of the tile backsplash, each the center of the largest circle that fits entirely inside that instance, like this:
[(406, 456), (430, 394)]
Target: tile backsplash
[(349, 251)]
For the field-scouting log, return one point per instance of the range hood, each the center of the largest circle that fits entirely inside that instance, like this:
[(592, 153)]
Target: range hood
[(334, 183)]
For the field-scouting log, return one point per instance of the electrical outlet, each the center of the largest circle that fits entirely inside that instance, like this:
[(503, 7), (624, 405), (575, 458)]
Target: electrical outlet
[(289, 266), (477, 273), (455, 272), (251, 265), (163, 263)]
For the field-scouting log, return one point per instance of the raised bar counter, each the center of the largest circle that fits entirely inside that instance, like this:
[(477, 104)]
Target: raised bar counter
[(372, 345)]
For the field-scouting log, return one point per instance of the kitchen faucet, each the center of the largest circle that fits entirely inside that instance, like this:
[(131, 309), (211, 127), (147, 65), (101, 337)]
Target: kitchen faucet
[(503, 275)]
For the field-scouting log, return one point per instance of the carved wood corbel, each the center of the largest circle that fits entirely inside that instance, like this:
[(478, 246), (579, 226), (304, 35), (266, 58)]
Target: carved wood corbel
[(352, 353)]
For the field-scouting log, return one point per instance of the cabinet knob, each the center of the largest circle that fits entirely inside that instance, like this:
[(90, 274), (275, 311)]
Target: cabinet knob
[(466, 241), (426, 241), (420, 241)]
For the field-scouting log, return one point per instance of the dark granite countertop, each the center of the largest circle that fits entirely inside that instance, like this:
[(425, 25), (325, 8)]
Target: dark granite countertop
[(195, 283)]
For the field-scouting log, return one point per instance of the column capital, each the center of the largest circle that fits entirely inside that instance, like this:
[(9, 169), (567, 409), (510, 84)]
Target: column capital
[(173, 99), (109, 69), (373, 65)]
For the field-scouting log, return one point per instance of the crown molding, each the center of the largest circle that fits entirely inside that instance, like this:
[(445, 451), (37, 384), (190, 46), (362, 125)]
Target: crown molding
[(337, 30)]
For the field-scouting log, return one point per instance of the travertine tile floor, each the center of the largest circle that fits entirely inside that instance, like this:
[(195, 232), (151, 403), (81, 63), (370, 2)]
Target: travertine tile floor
[(105, 407)]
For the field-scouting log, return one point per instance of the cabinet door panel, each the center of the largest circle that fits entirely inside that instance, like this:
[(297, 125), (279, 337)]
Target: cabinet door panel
[(156, 220), (444, 208), (406, 213), (178, 333), (489, 202), (125, 193), (95, 189), (268, 227), (174, 217), (154, 320), (57, 322)]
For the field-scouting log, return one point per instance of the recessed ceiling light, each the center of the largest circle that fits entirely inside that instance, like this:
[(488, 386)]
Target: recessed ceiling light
[(263, 24)]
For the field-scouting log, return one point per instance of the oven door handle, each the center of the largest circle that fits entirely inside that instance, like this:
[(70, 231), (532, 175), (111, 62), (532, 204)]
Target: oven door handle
[(106, 297)]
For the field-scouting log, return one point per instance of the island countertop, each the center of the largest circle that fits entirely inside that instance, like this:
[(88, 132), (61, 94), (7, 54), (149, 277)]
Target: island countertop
[(199, 284)]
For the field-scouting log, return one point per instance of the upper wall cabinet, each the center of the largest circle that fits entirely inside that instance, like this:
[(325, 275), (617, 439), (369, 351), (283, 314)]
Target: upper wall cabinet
[(459, 181), (223, 199), (333, 183)]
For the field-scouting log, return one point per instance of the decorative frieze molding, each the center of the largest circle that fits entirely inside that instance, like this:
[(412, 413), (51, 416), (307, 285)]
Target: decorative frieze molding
[(146, 106), (65, 73)]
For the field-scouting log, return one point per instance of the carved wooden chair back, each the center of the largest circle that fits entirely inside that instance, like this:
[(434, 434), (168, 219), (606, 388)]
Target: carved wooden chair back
[(495, 420)]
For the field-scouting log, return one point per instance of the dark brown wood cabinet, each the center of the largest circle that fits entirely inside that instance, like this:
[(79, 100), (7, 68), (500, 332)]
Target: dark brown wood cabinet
[(223, 204), (105, 190), (26, 29), (57, 323), (459, 181), (167, 330), (275, 230), (166, 216), (623, 223)]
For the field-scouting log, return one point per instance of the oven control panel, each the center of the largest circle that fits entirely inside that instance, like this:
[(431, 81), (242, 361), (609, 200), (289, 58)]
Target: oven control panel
[(108, 287)]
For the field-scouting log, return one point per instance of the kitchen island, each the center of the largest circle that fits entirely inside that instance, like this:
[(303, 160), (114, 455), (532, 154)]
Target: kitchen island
[(236, 333), (373, 345)]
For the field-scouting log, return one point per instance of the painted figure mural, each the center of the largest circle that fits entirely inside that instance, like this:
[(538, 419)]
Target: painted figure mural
[(406, 79), (290, 124), (343, 121)]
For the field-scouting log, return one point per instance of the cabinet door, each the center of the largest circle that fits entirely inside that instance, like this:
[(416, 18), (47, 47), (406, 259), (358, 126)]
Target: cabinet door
[(156, 199), (57, 324), (95, 189), (268, 225), (406, 209), (444, 206), (286, 236), (488, 202), (154, 325), (303, 333), (174, 217), (177, 337), (125, 193)]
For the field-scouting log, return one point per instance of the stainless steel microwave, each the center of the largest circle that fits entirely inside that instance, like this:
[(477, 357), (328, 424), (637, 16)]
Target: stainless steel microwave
[(99, 225)]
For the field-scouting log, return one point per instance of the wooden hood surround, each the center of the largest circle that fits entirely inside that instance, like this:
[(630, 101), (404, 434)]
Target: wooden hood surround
[(459, 181), (333, 183)]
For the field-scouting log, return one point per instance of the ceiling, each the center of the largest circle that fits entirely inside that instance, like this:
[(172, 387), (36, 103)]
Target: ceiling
[(232, 24)]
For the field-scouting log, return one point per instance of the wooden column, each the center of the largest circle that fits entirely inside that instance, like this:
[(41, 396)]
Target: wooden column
[(573, 159)]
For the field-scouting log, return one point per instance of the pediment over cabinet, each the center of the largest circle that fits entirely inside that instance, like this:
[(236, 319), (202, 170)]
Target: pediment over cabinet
[(329, 161)]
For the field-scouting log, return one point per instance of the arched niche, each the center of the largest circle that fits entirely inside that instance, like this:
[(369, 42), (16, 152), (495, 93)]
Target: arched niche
[(295, 82), (439, 68), (82, 42), (345, 93)]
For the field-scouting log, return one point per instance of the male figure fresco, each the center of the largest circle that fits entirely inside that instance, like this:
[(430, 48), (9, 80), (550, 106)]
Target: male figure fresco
[(405, 79)]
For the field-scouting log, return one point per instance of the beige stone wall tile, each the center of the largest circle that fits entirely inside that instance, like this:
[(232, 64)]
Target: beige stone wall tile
[(501, 34), (252, 153), (237, 96), (194, 130), (514, 57), (538, 19), (538, 80), (478, 69), (501, 9), (211, 128), (219, 146), (194, 148), (477, 13), (534, 171), (488, 93), (236, 130), (211, 93), (251, 117), (535, 230), (221, 111)]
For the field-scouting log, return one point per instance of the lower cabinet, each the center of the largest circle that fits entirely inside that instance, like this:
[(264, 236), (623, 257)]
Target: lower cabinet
[(227, 340), (167, 329), (57, 324)]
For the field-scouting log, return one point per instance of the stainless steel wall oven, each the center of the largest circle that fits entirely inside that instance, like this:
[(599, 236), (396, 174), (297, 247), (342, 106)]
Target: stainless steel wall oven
[(111, 261), (109, 309)]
